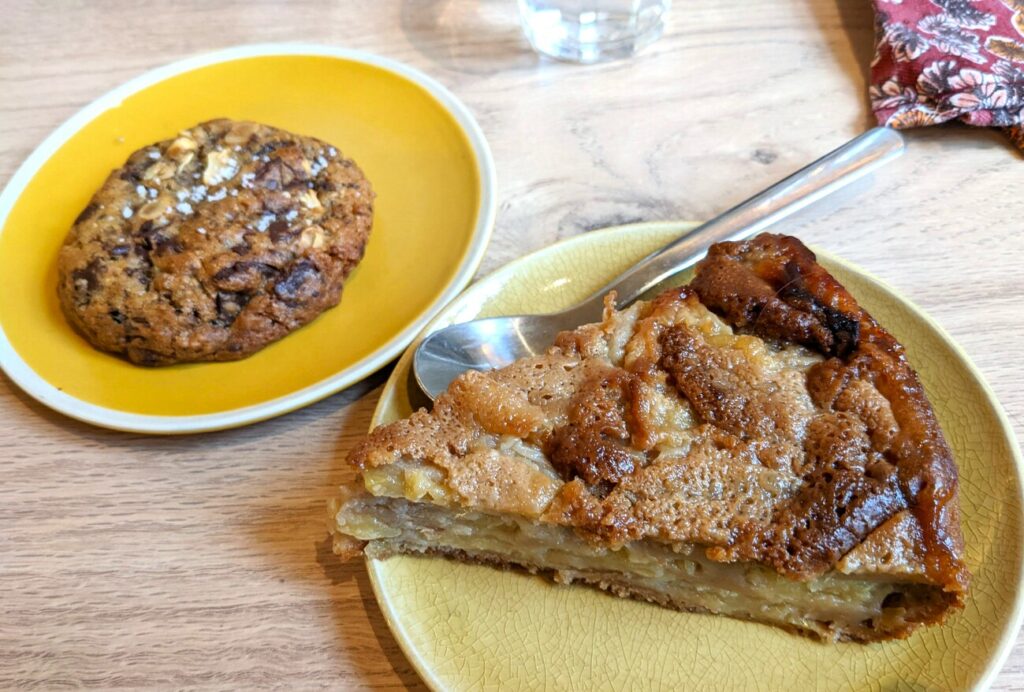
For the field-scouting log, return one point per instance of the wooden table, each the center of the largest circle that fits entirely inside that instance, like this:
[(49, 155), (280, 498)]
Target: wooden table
[(134, 561)]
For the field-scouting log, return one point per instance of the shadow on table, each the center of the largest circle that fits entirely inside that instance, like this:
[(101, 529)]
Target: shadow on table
[(338, 572), (475, 38), (853, 56), (354, 572)]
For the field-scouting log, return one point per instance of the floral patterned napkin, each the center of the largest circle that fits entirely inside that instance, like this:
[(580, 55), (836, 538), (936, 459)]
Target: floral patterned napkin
[(939, 60)]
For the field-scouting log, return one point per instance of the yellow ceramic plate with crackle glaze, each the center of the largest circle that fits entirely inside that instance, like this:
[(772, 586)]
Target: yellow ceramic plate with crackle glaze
[(473, 627), (421, 149)]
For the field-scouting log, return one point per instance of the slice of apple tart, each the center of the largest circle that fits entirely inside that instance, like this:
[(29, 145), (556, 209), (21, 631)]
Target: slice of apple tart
[(753, 444)]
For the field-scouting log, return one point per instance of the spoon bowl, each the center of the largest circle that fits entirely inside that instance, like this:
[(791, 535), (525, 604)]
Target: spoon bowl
[(483, 344)]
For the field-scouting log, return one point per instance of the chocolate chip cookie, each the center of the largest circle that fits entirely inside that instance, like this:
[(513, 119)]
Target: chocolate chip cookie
[(211, 245)]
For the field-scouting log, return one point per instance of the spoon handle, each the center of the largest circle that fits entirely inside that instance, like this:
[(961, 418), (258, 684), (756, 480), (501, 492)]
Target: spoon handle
[(809, 184)]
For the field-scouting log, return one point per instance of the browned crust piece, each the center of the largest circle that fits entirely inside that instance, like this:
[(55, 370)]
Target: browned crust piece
[(212, 244), (772, 286)]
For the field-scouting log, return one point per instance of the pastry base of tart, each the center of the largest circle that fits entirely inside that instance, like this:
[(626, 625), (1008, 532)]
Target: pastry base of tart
[(833, 607)]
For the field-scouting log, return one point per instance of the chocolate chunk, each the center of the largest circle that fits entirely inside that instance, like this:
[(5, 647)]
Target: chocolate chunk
[(278, 202), (89, 274), (145, 356), (120, 250), (157, 239), (244, 275), (142, 274), (131, 175), (147, 232), (303, 282), (87, 213), (270, 147), (141, 251), (165, 245), (279, 231), (275, 175), (229, 305)]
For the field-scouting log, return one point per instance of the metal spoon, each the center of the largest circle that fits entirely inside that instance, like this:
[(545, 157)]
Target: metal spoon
[(497, 341)]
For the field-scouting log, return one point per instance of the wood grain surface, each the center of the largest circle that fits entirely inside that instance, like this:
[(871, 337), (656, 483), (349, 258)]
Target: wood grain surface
[(134, 561)]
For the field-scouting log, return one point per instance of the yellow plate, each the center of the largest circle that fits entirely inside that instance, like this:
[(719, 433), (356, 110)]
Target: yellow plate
[(421, 149), (473, 627)]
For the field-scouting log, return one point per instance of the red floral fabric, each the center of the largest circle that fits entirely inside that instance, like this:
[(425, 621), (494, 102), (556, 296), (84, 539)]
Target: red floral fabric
[(940, 60)]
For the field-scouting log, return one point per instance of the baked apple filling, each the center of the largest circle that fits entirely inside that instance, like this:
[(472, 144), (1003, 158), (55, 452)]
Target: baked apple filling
[(832, 606)]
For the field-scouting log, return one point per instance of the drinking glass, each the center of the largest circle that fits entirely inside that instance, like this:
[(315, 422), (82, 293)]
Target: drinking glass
[(588, 31)]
